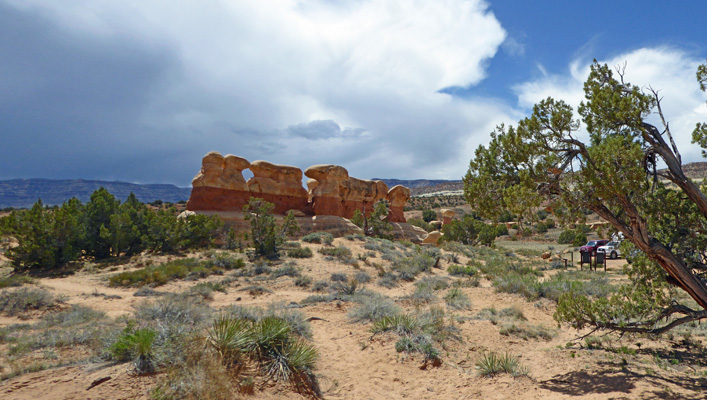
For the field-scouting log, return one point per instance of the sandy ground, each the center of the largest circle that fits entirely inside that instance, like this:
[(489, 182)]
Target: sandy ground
[(354, 364)]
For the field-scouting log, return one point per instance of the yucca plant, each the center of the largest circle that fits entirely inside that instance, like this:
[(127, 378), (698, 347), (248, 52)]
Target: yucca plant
[(402, 324), (230, 337), (493, 363)]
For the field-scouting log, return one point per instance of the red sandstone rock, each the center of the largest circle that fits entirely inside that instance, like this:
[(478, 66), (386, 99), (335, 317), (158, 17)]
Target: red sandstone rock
[(361, 194), (326, 193), (397, 197), (280, 185), (211, 173), (447, 215)]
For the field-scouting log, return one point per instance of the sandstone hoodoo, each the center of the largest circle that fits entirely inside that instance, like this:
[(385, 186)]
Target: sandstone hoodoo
[(398, 196), (220, 186), (280, 185)]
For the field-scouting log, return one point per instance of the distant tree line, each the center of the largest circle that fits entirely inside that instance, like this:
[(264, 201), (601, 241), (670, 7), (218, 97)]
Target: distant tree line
[(102, 228)]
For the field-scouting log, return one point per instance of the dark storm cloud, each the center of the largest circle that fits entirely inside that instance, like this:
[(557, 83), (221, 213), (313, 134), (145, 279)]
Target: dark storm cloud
[(71, 105)]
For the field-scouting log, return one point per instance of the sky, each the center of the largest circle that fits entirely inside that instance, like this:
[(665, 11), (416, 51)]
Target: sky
[(140, 90)]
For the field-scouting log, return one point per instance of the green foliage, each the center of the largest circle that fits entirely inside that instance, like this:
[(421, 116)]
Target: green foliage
[(490, 364), (135, 345), (300, 252), (579, 240), (420, 224), (49, 238), (429, 215), (156, 275), (611, 174), (266, 235), (469, 231), (374, 224), (458, 270), (567, 236), (318, 237)]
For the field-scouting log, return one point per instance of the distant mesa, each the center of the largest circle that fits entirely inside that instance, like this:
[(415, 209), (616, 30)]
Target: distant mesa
[(220, 186)]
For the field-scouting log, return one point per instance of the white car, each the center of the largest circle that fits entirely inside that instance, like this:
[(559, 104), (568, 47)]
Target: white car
[(610, 250)]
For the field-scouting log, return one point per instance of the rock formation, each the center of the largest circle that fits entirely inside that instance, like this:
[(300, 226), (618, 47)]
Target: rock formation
[(447, 215), (326, 189), (280, 185), (220, 186), (397, 197)]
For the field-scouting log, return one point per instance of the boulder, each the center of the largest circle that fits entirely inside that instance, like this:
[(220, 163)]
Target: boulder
[(546, 255), (432, 237), (397, 197), (404, 231)]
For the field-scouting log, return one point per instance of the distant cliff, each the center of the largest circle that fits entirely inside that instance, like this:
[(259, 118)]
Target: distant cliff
[(22, 193)]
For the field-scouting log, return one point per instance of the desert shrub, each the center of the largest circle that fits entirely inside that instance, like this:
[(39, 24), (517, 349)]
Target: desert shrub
[(285, 270), (342, 289), (320, 286), (409, 267), (469, 231), (457, 300), (206, 289), (303, 281), (567, 236), (372, 308), (429, 215), (490, 364), (422, 295), (420, 223), (355, 236), (387, 280), (15, 280), (374, 224), (16, 302), (340, 252), (362, 277), (433, 282), (225, 261), (339, 277), (136, 345), (418, 332), (501, 230), (267, 237), (156, 275), (300, 252), (318, 237), (458, 270)]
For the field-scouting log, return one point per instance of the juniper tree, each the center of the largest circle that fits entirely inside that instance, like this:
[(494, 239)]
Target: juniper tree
[(614, 173)]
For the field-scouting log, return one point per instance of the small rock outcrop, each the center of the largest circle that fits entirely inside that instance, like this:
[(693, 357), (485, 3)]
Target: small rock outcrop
[(447, 215)]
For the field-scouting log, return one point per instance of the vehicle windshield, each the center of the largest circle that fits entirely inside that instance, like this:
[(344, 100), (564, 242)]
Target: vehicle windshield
[(592, 243), (612, 244)]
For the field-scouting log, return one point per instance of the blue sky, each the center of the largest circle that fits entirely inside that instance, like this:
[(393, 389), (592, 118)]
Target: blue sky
[(140, 91)]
